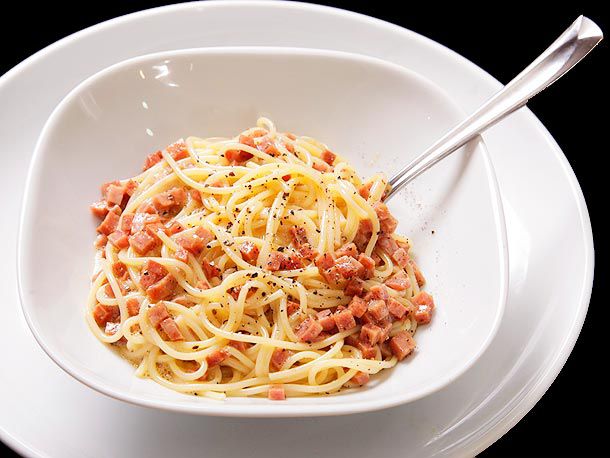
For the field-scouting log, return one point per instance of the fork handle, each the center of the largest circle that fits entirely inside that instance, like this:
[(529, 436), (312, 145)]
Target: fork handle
[(571, 46)]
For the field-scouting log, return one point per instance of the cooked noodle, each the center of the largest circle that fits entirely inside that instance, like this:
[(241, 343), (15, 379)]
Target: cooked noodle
[(210, 275)]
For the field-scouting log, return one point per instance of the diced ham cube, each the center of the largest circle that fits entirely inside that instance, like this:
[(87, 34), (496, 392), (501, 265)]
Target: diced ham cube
[(402, 344), (377, 309), (401, 257), (326, 320), (237, 289), (307, 252), (105, 313), (291, 261), (349, 267), (349, 249), (357, 306), (170, 199), (157, 314), (110, 292), (364, 234), (141, 220), (379, 292), (120, 270), (99, 209), (119, 239), (126, 221), (396, 309), (370, 334), (249, 252), (368, 351), (130, 187), (133, 306), (344, 320), (277, 392), (376, 258), (152, 272), (152, 159), (237, 156), (365, 190), (386, 351), (352, 340), (324, 261), (100, 241), (424, 306), (163, 289), (195, 242), (184, 300), (333, 276), (178, 150), (328, 157), (398, 282), (114, 194), (239, 345), (387, 222), (154, 228), (181, 255), (142, 242), (281, 261), (210, 270), (369, 265), (110, 223), (299, 236), (268, 147), (321, 167), (292, 307), (274, 261), (386, 327), (387, 243), (217, 356), (354, 287), (171, 329), (196, 196), (245, 140), (279, 357), (360, 378), (174, 227), (104, 187), (418, 275), (308, 330)]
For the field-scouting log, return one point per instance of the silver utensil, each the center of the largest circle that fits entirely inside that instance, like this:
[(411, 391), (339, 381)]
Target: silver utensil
[(571, 46)]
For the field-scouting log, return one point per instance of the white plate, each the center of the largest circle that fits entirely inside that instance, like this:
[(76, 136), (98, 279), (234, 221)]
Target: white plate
[(42, 406), (101, 129)]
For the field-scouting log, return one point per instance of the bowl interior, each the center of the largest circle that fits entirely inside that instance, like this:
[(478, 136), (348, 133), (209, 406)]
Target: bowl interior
[(376, 114)]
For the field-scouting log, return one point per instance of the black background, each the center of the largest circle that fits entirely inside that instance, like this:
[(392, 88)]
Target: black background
[(501, 38)]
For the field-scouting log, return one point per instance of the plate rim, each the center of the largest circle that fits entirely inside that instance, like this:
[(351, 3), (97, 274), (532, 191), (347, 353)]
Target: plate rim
[(514, 413), (263, 410)]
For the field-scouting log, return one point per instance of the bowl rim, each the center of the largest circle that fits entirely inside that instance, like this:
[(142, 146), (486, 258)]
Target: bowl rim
[(263, 410)]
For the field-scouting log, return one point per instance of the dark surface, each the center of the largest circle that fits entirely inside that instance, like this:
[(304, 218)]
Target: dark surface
[(501, 38)]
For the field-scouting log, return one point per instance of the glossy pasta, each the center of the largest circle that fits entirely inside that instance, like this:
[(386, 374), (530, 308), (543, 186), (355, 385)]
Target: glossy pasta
[(254, 266)]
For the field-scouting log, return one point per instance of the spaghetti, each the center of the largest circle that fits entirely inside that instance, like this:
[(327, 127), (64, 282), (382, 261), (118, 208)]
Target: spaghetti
[(258, 265)]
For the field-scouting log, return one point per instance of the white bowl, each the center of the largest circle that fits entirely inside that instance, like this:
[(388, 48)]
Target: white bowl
[(376, 114)]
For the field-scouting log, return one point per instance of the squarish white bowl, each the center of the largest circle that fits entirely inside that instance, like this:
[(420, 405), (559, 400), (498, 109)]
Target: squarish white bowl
[(376, 114)]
